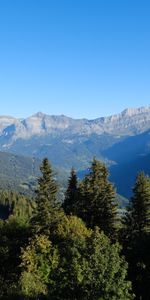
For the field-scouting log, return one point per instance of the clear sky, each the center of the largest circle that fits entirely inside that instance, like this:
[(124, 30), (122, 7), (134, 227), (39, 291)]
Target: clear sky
[(81, 58)]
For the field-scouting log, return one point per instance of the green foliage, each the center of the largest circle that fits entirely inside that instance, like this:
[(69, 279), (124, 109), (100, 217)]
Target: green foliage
[(136, 237), (90, 267), (107, 271), (13, 235), (136, 221), (71, 196), (18, 173), (39, 261), (97, 205), (45, 254), (47, 210), (140, 206), (12, 203), (80, 265)]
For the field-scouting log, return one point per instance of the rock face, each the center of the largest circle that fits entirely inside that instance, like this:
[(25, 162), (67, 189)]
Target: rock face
[(66, 141), (5, 122), (121, 140), (129, 122)]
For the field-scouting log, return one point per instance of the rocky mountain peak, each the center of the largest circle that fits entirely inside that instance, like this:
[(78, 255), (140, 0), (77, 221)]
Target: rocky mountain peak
[(135, 111), (39, 114), (129, 122)]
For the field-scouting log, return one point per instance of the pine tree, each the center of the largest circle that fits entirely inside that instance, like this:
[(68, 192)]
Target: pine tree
[(97, 199), (137, 219), (71, 195), (136, 237), (47, 207)]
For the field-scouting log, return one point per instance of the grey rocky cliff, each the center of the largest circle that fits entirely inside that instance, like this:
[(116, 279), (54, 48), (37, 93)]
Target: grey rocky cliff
[(129, 122)]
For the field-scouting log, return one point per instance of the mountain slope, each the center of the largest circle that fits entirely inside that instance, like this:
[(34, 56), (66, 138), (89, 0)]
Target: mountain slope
[(130, 156), (129, 148), (20, 173), (68, 142), (122, 141)]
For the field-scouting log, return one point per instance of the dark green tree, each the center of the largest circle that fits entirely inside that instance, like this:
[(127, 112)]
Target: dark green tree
[(13, 236), (97, 205), (71, 196), (47, 208), (136, 237), (138, 214)]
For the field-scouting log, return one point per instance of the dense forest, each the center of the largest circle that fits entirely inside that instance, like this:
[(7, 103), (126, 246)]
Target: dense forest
[(80, 247)]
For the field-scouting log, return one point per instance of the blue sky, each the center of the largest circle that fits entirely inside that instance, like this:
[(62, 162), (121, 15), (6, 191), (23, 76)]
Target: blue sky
[(80, 58)]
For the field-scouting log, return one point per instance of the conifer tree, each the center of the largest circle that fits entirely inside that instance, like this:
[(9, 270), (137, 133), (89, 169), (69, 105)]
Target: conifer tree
[(47, 207), (137, 219), (98, 206), (71, 195), (136, 237)]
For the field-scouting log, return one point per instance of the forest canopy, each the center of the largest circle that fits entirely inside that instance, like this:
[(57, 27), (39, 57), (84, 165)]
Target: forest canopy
[(79, 248)]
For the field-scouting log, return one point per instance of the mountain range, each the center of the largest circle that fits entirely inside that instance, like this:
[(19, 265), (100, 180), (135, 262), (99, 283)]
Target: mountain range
[(122, 141), (130, 121)]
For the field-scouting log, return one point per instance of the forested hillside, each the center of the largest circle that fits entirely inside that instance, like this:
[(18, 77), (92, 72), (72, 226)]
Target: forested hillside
[(19, 173), (80, 247)]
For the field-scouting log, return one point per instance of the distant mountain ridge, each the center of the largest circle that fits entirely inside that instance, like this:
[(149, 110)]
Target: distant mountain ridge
[(119, 140), (128, 122)]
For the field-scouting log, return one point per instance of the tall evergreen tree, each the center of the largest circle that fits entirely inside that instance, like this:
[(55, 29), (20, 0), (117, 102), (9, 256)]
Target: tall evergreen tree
[(136, 237), (71, 196), (137, 218), (47, 207), (98, 206)]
